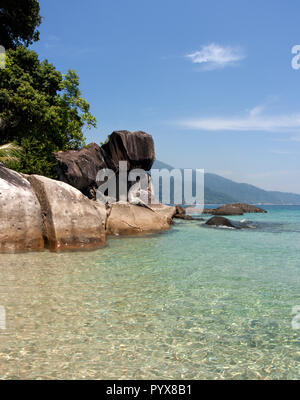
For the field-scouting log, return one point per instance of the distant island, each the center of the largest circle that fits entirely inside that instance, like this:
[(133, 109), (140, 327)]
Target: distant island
[(220, 190)]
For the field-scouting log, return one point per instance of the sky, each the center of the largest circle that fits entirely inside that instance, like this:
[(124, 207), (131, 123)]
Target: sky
[(211, 80)]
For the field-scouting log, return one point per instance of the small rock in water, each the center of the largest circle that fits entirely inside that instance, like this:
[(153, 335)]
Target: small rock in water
[(220, 221)]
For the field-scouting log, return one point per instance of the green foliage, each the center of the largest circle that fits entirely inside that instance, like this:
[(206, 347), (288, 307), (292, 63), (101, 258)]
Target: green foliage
[(18, 22), (42, 109), (78, 114), (37, 157)]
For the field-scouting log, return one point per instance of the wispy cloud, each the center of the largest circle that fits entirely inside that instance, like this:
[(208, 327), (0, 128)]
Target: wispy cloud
[(283, 152), (295, 138), (256, 110), (254, 120), (214, 56)]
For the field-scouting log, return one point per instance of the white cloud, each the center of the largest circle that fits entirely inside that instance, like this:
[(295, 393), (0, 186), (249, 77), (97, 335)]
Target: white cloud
[(256, 110), (254, 120), (214, 56)]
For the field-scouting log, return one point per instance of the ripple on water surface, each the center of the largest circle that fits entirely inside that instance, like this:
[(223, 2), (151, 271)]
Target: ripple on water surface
[(192, 303)]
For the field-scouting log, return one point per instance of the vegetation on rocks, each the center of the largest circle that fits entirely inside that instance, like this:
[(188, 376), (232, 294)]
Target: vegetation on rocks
[(42, 109)]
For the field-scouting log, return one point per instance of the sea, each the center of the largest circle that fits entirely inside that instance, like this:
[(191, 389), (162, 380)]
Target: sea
[(196, 302)]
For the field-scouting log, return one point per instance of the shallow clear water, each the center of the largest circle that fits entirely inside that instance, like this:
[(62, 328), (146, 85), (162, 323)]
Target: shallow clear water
[(193, 303)]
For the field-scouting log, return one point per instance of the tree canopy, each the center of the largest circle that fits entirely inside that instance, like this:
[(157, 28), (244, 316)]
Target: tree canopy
[(18, 22), (42, 110)]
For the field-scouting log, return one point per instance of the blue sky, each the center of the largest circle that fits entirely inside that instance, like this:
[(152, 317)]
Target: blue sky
[(212, 81)]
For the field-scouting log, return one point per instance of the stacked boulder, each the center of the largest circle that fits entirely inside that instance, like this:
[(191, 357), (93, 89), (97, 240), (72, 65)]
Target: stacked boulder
[(37, 212), (79, 168)]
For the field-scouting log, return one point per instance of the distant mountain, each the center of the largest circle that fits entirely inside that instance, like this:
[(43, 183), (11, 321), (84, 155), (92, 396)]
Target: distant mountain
[(246, 193), (219, 190)]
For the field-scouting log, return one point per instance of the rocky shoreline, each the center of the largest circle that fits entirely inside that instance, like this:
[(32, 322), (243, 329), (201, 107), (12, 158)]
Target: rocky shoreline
[(39, 213)]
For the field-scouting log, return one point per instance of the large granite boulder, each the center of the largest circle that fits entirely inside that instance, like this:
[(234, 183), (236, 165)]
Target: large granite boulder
[(128, 219), (248, 208), (164, 211), (79, 168), (234, 209), (38, 212), (20, 214), (137, 148), (228, 209), (70, 220), (208, 211)]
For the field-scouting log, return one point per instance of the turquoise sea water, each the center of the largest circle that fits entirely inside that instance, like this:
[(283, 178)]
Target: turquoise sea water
[(193, 303)]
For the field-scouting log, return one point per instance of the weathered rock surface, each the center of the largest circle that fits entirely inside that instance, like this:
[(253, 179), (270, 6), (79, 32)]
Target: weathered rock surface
[(208, 210), (70, 220), (228, 210), (79, 168), (38, 212), (127, 219), (248, 208), (137, 148), (20, 214), (164, 211), (185, 217), (103, 211), (234, 209), (220, 221)]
